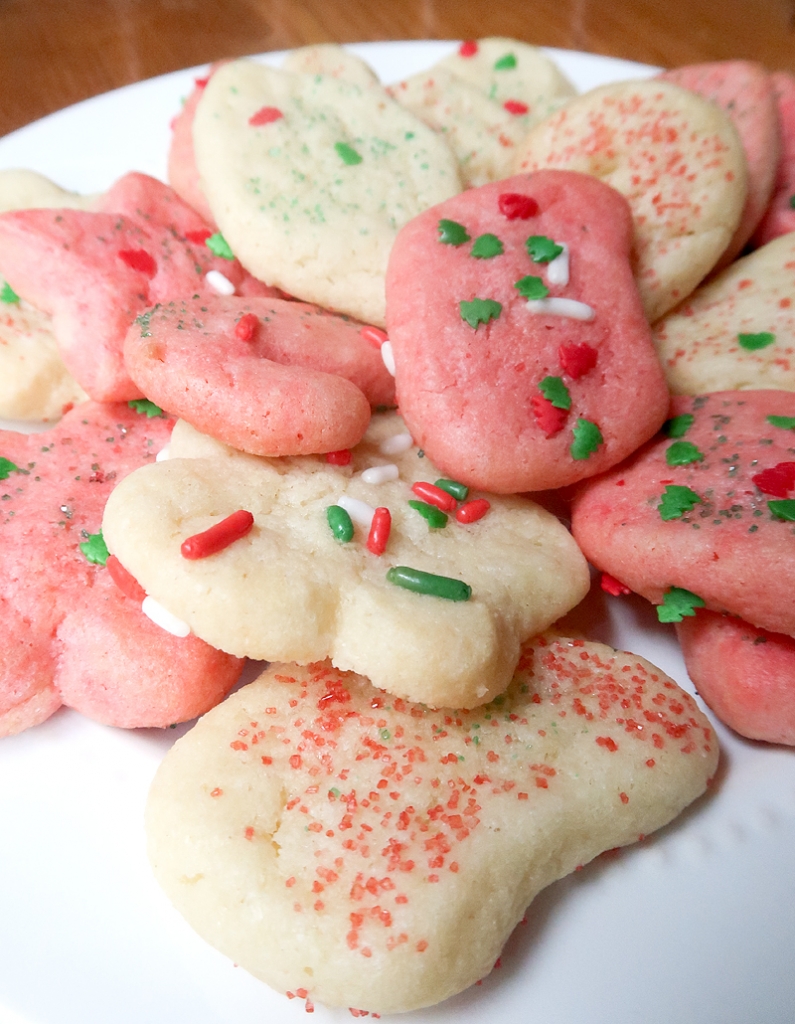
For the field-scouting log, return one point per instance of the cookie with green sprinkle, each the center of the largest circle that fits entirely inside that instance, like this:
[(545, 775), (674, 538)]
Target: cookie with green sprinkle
[(704, 515), (309, 177), (425, 613)]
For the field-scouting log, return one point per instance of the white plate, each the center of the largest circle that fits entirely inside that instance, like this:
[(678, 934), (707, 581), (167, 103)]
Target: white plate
[(693, 925)]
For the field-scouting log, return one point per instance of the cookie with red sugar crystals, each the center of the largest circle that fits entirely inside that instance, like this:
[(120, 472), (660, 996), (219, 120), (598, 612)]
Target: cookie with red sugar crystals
[(183, 174), (779, 218), (94, 272), (358, 850), (267, 376), (71, 636), (703, 515), (746, 675), (523, 356), (737, 331), (367, 560), (745, 91), (674, 155)]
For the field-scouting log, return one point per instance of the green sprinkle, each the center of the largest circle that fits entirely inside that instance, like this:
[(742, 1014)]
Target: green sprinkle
[(678, 426), (678, 603), (485, 247), (452, 233), (531, 287), (95, 549), (505, 63), (427, 583), (783, 509), (556, 392), (541, 249), (792, 202), (347, 154), (385, 734), (7, 294), (459, 491), (479, 311), (752, 342), (145, 407), (7, 467), (340, 523), (676, 500), (435, 518), (219, 246), (587, 438), (682, 453), (785, 422)]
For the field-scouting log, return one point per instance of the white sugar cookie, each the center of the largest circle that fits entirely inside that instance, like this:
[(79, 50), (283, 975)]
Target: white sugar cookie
[(309, 178), (737, 331), (26, 190), (360, 851), (678, 160), (290, 590), (330, 59)]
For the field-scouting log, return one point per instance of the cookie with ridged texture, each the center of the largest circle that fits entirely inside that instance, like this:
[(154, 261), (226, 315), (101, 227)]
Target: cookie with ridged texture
[(677, 159), (310, 177), (361, 851), (523, 357), (737, 331), (437, 616), (702, 515)]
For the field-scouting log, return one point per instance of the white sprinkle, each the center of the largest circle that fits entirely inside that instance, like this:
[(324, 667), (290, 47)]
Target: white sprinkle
[(558, 269), (562, 307), (216, 280), (396, 444), (359, 511), (164, 618), (163, 454), (380, 474), (389, 357)]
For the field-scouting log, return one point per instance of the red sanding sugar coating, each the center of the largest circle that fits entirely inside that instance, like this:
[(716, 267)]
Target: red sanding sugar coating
[(779, 218), (71, 635), (301, 384), (467, 376), (724, 541), (746, 675)]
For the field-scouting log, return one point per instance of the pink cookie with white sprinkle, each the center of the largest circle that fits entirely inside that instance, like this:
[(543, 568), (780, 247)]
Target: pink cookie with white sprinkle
[(746, 675), (779, 218), (94, 272), (71, 635), (703, 516), (523, 357), (266, 376)]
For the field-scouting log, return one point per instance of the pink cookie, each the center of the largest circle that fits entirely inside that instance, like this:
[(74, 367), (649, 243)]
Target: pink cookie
[(267, 376), (183, 174), (703, 516), (779, 218), (71, 635), (746, 675), (745, 91), (523, 357), (95, 272)]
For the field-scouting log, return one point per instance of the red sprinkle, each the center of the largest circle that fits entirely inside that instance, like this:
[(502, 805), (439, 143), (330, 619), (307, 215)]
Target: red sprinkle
[(246, 327), (515, 107), (265, 115), (201, 82), (576, 360), (138, 259), (468, 48), (380, 528), (434, 495), (198, 237), (608, 742), (125, 581), (374, 335), (778, 481), (339, 458), (473, 510), (613, 586), (516, 206), (549, 418), (218, 537)]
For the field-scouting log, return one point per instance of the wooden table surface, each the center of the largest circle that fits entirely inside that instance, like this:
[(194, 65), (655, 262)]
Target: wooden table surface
[(56, 52)]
